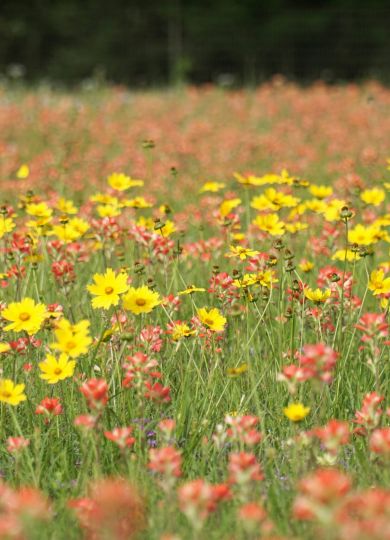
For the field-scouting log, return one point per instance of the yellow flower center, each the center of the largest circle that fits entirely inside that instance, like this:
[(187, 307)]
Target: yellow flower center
[(70, 345), (57, 371), (7, 394), (140, 301), (24, 316), (209, 322), (109, 290)]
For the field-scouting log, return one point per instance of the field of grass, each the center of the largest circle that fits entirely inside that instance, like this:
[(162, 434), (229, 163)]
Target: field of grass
[(194, 313)]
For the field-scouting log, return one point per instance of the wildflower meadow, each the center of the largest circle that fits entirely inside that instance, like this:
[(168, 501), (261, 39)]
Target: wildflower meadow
[(195, 292)]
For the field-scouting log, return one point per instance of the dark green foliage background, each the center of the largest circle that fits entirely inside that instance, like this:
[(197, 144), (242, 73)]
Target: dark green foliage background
[(144, 42)]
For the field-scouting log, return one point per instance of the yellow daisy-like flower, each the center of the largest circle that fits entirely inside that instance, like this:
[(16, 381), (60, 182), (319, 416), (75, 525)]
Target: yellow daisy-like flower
[(316, 205), (266, 278), (191, 289), (11, 393), (25, 316), (181, 330), (107, 288), (333, 209), (236, 371), (342, 254), (145, 222), (121, 182), (321, 192), (212, 319), (167, 229), (6, 226), (71, 231), (108, 210), (296, 227), (227, 206), (137, 202), (4, 347), (23, 172), (65, 206), (364, 236), (378, 284), (272, 199), (373, 196), (305, 266), (241, 252), (54, 370), (39, 210), (213, 187), (296, 412), (72, 339), (249, 180), (245, 281), (141, 300), (316, 295), (270, 223), (103, 198)]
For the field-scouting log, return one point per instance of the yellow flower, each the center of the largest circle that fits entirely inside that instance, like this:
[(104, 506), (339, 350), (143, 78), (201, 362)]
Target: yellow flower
[(25, 316), (364, 236), (236, 371), (373, 196), (212, 319), (214, 187), (321, 192), (108, 210), (285, 178), (39, 210), (141, 300), (103, 198), (296, 227), (306, 266), (121, 182), (227, 206), (248, 180), (181, 330), (11, 393), (296, 412), (378, 283), (167, 229), (71, 231), (266, 278), (270, 223), (5, 347), (191, 289), (241, 252), (54, 370), (145, 222), (246, 281), (274, 200), (316, 205), (107, 288), (72, 339), (65, 206), (137, 202), (316, 295), (23, 172), (333, 209), (6, 225), (342, 254)]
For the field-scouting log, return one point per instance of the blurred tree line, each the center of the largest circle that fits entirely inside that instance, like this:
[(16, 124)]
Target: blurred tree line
[(143, 42)]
